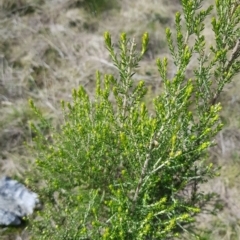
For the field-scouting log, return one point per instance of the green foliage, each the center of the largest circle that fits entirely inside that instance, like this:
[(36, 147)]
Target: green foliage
[(95, 6), (117, 171)]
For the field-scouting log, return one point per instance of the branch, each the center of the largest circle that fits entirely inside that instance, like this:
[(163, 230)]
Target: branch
[(235, 54), (152, 145)]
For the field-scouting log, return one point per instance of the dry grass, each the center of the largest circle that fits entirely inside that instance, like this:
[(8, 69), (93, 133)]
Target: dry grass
[(49, 47)]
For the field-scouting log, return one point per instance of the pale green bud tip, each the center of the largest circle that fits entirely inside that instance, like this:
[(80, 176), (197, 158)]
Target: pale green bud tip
[(213, 20), (165, 61), (97, 75), (145, 40), (123, 37), (107, 38), (30, 101), (62, 104), (168, 32), (74, 92), (178, 15)]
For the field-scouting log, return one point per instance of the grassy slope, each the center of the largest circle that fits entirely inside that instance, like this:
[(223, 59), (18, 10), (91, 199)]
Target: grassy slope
[(49, 47)]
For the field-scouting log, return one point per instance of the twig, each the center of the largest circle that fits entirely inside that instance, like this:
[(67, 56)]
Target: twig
[(235, 54), (144, 169)]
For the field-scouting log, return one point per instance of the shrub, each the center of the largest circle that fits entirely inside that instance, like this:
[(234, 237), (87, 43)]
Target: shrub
[(117, 171)]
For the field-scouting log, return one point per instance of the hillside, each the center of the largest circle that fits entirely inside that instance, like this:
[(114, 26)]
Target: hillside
[(49, 47)]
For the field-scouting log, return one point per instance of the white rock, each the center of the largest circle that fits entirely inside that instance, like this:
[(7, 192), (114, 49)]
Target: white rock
[(16, 201)]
